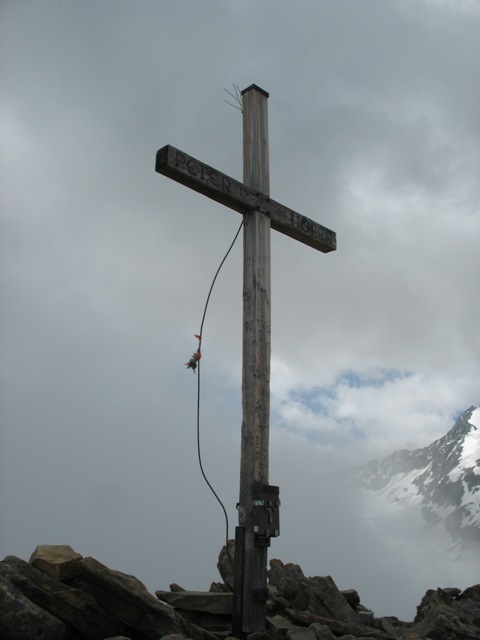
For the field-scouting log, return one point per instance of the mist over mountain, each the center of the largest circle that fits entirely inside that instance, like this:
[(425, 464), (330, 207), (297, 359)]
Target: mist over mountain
[(440, 481)]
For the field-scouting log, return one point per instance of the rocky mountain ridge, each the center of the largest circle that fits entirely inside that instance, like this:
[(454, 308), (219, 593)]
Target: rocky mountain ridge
[(59, 595), (442, 479)]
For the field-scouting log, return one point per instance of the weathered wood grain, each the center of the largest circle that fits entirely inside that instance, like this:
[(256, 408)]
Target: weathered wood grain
[(242, 197), (256, 354)]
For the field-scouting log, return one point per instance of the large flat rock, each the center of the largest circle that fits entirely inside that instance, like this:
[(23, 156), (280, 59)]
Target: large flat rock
[(127, 599), (204, 601)]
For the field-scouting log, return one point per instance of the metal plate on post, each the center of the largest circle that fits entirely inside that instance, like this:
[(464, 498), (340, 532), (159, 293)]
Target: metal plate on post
[(265, 513)]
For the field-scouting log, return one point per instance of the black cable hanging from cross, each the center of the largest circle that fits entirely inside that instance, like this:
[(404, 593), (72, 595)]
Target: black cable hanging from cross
[(194, 364)]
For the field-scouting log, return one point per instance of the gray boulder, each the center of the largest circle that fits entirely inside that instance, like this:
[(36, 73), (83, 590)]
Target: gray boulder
[(59, 561), (318, 596), (127, 599), (226, 562), (74, 607), (22, 619), (444, 614)]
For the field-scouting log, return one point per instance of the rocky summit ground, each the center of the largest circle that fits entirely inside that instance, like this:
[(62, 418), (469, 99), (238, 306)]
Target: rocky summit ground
[(60, 595)]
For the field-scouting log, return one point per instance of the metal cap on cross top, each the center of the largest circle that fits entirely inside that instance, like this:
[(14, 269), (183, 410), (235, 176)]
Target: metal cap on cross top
[(257, 88), (258, 506)]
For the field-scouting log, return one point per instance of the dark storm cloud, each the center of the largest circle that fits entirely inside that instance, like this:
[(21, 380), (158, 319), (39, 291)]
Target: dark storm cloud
[(106, 265)]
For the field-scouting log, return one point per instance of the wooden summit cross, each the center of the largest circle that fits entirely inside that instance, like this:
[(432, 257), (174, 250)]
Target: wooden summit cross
[(258, 504)]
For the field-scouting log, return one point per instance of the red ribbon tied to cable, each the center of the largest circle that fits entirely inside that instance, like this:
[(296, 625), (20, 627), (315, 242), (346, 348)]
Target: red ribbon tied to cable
[(193, 362)]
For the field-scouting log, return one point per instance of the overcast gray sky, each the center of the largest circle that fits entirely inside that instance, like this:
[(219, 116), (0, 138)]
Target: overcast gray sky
[(105, 268)]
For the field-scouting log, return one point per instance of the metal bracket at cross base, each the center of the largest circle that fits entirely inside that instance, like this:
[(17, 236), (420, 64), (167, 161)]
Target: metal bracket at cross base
[(262, 525)]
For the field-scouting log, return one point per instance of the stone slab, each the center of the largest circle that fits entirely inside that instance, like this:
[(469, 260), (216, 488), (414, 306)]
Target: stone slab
[(58, 561), (204, 601), (22, 619)]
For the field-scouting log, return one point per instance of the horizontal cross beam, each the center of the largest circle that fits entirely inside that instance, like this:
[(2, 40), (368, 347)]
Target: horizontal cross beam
[(234, 194)]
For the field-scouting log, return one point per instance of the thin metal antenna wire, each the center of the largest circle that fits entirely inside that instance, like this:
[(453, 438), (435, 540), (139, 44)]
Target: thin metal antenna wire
[(237, 97)]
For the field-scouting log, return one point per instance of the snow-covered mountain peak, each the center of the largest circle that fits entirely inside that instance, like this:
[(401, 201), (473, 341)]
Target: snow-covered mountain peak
[(470, 456), (442, 479)]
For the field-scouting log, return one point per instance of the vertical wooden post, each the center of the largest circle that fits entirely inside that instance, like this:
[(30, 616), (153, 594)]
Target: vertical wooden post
[(251, 578)]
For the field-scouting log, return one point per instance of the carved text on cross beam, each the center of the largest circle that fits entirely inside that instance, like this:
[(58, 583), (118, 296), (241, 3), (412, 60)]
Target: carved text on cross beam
[(216, 185)]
